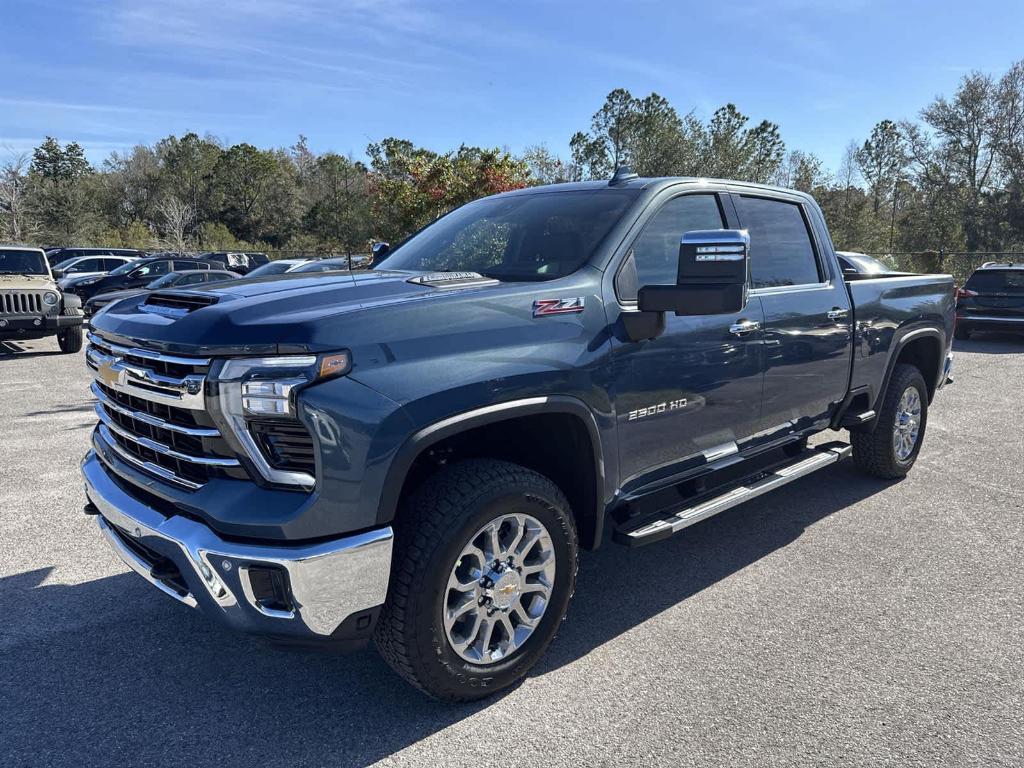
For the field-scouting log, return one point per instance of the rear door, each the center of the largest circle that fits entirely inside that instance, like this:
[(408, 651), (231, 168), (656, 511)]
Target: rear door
[(693, 393), (807, 313)]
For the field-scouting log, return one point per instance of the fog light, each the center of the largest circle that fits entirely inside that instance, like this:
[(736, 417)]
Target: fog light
[(37, 321)]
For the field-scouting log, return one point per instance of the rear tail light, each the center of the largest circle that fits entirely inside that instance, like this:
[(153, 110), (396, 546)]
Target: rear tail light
[(965, 293)]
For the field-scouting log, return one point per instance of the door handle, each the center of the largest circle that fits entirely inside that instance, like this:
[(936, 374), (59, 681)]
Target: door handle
[(837, 313), (743, 327)]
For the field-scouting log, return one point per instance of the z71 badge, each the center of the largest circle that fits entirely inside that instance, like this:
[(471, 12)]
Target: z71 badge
[(571, 306)]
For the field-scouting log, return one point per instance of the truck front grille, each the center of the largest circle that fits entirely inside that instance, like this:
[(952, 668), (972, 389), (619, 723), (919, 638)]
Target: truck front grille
[(152, 414), (21, 303)]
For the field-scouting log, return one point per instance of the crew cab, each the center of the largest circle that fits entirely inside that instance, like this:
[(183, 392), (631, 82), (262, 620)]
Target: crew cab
[(418, 452)]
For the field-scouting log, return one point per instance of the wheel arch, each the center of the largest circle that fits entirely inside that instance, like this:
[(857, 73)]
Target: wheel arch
[(537, 432), (922, 348)]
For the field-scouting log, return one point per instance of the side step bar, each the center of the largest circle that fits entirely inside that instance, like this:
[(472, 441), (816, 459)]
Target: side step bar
[(761, 483)]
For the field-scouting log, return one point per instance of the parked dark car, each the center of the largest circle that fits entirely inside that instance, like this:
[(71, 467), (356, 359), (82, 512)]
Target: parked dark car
[(335, 263), (135, 274), (237, 261), (418, 452), (278, 267), (184, 279), (992, 299)]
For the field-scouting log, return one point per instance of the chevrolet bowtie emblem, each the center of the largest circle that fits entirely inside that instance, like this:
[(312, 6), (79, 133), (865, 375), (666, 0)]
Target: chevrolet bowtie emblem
[(508, 589), (108, 374)]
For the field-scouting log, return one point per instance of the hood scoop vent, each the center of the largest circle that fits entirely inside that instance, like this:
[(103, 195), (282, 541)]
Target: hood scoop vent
[(451, 279), (176, 304)]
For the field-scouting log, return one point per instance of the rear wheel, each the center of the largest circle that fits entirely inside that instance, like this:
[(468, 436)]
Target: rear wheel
[(70, 339), (483, 571), (890, 449)]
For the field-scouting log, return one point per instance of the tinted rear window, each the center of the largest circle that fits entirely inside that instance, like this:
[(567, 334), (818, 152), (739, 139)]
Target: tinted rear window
[(997, 281)]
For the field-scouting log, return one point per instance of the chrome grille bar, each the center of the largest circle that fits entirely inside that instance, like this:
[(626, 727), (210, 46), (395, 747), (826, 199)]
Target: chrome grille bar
[(147, 418), (166, 450), (148, 466)]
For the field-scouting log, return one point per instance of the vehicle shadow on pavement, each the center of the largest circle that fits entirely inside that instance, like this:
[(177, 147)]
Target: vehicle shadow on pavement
[(109, 672), (10, 350), (991, 343)]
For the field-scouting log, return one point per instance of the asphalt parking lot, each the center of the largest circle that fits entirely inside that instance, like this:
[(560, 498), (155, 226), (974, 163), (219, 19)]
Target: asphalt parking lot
[(839, 621)]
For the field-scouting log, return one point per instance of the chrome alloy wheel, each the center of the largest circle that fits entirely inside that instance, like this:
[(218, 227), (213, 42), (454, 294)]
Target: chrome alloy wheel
[(907, 425), (499, 588)]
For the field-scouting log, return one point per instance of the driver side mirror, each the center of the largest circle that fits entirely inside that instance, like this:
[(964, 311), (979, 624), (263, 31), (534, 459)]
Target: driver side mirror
[(379, 251), (714, 266), (58, 273), (712, 279)]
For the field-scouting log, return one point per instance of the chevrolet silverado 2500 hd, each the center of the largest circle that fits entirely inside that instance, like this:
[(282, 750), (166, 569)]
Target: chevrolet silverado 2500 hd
[(417, 452)]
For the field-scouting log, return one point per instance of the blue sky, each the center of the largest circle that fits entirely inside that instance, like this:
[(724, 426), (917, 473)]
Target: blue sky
[(346, 72)]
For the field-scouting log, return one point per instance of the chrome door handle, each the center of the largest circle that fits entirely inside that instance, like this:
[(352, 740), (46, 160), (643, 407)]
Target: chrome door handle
[(837, 314), (743, 327)]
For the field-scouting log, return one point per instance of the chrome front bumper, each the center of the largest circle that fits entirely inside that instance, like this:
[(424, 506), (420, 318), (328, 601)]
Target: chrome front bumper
[(333, 587)]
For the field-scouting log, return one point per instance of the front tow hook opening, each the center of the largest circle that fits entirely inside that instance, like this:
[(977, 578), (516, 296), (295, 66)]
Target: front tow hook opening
[(266, 588)]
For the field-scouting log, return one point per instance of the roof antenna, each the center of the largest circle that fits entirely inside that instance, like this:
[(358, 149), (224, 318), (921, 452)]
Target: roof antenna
[(622, 174)]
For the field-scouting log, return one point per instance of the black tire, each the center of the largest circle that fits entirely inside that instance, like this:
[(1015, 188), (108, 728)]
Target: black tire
[(873, 451), (70, 339), (431, 530), (961, 332)]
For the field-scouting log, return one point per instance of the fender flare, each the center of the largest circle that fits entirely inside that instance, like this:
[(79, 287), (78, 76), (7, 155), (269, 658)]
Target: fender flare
[(911, 335), (72, 301), (429, 435)]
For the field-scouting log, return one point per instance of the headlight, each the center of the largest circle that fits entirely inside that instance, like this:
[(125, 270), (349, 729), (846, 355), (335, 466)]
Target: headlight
[(90, 281), (256, 389), (49, 299)]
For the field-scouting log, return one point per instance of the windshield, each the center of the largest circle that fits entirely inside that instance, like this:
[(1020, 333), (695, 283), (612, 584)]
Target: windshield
[(128, 266), (273, 268), (22, 263), (538, 236), (997, 281)]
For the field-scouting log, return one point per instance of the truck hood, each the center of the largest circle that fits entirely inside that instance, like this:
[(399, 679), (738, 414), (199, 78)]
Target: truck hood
[(285, 313), (26, 283)]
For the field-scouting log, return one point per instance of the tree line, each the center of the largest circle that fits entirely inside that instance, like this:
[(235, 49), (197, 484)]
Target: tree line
[(951, 180)]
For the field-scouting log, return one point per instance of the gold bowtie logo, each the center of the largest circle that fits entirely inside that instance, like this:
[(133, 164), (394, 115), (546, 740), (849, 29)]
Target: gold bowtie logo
[(508, 589), (108, 374)]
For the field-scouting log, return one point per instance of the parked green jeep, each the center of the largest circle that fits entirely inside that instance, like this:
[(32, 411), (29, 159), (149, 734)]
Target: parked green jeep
[(31, 304)]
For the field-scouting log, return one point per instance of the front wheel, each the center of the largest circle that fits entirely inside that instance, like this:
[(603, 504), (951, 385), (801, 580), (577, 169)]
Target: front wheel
[(483, 571), (70, 339), (890, 449)]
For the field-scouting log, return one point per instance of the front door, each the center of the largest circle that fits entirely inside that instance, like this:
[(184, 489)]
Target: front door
[(807, 315), (689, 395)]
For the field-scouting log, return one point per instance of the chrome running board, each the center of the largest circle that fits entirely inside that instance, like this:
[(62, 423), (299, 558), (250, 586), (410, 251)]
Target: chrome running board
[(674, 520)]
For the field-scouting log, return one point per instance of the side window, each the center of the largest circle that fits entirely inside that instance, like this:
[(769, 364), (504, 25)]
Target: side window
[(656, 250), (180, 265), (781, 251), (194, 279)]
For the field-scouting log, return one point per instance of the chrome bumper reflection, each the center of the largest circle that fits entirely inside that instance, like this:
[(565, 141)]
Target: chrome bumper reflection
[(327, 582)]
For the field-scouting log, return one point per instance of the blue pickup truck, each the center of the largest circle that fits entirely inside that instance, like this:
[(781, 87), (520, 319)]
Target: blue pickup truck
[(418, 452)]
